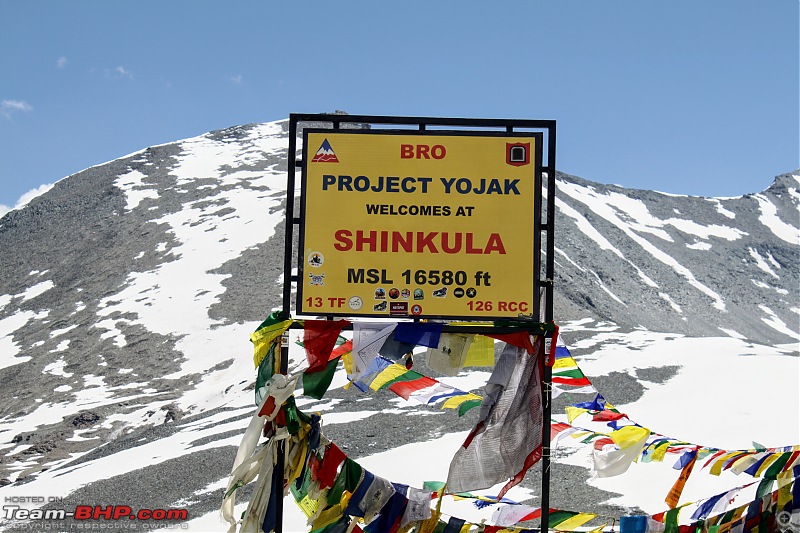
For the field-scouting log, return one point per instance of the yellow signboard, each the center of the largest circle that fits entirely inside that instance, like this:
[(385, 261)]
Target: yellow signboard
[(418, 225)]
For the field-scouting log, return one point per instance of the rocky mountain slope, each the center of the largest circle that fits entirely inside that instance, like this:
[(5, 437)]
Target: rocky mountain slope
[(129, 290)]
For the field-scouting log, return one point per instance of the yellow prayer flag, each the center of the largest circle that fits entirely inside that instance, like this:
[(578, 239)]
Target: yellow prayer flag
[(564, 362), (660, 452), (481, 352), (769, 460), (784, 491), (308, 506), (347, 360), (264, 337), (628, 436), (574, 412), (389, 373), (455, 401), (743, 463), (329, 516), (576, 521), (716, 468)]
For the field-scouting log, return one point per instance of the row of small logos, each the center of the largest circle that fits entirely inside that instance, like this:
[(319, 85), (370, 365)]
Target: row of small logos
[(404, 294), (397, 308)]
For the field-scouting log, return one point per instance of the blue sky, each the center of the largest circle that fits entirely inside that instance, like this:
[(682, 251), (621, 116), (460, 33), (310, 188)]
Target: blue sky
[(686, 97)]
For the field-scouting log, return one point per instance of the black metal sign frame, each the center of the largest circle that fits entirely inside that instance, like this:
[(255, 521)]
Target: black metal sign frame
[(544, 223), (543, 130)]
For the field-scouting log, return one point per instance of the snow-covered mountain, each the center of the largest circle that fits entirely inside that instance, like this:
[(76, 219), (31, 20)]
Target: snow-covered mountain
[(129, 290)]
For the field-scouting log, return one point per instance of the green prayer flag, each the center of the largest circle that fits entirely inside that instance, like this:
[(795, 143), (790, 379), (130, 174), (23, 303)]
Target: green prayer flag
[(764, 487), (775, 468), (529, 325), (408, 376), (273, 318), (339, 525), (265, 372), (572, 373), (440, 527), (671, 520), (727, 517), (556, 517), (433, 486), (316, 384), (300, 491), (466, 406), (354, 474), (294, 417), (334, 495)]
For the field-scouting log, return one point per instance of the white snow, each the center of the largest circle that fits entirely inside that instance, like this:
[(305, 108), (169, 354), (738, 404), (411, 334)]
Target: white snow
[(112, 332), (671, 302), (586, 227), (157, 297), (732, 333), (721, 209), (631, 217), (605, 289), (769, 217), (8, 348), (776, 323), (762, 263), (58, 332), (57, 368), (727, 394), (35, 290), (697, 245), (135, 189)]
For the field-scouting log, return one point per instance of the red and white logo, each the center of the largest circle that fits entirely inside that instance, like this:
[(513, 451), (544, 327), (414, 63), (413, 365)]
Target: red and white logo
[(325, 154), (518, 154)]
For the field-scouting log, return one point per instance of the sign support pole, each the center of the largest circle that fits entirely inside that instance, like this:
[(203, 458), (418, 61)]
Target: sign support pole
[(547, 377)]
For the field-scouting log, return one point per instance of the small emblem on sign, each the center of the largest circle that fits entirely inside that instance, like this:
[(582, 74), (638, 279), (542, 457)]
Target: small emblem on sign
[(380, 307), (419, 294), (518, 154), (380, 294), (317, 279), (325, 154), (355, 303), (315, 259), (440, 293), (398, 308), (416, 309)]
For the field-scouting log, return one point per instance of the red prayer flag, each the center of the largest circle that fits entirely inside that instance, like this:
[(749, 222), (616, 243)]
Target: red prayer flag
[(607, 416), (571, 381), (326, 473), (319, 338), (404, 389), (520, 339)]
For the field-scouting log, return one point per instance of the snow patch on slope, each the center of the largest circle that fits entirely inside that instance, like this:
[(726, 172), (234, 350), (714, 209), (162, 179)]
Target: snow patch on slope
[(635, 218)]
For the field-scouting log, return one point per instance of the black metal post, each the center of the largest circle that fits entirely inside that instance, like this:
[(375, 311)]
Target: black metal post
[(547, 377), (278, 472)]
